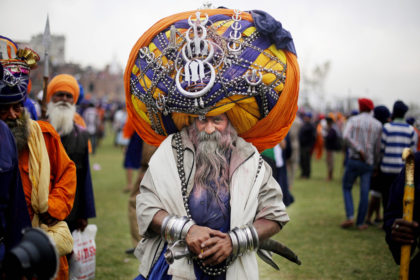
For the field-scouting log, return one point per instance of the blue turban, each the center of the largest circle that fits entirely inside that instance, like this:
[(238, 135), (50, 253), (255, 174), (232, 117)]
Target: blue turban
[(410, 120), (399, 109), (381, 113)]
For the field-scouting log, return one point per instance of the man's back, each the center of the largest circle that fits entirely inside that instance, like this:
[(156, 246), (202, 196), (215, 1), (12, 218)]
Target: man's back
[(362, 133), (396, 136), (307, 135)]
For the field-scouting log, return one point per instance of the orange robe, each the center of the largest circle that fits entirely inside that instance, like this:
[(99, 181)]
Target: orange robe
[(319, 142), (62, 182)]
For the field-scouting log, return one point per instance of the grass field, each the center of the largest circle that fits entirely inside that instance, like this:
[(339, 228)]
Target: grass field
[(313, 233)]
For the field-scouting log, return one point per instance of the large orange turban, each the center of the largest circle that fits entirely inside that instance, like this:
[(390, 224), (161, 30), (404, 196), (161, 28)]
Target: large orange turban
[(63, 82), (210, 62)]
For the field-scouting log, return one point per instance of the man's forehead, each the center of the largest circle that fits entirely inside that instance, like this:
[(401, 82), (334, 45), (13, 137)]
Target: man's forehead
[(218, 117), (62, 92)]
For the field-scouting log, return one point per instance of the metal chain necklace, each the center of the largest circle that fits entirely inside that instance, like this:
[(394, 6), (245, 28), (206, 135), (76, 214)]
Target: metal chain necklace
[(181, 172), (180, 165)]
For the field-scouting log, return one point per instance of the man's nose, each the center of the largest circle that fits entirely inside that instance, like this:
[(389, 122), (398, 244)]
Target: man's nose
[(209, 129)]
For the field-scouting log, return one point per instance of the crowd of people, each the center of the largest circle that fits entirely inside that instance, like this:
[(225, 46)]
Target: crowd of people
[(372, 141), (211, 173)]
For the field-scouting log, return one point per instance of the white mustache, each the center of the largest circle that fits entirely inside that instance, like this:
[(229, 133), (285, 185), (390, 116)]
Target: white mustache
[(63, 104)]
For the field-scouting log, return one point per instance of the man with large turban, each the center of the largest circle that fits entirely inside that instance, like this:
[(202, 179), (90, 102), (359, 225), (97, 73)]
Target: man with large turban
[(62, 95), (48, 175), (212, 88)]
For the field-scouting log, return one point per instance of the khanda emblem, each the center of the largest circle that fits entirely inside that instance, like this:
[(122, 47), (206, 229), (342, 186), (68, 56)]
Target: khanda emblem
[(198, 73)]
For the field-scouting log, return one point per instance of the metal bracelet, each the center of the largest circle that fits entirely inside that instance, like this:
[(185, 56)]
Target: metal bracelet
[(174, 230), (164, 224), (186, 228), (242, 240), (250, 241), (168, 228), (255, 237), (235, 244), (179, 224)]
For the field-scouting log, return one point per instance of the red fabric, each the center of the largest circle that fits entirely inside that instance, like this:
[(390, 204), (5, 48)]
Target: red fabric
[(365, 104), (418, 139), (29, 86)]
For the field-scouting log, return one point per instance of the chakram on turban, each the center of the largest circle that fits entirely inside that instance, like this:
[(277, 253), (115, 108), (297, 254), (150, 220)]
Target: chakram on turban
[(209, 62), (15, 67)]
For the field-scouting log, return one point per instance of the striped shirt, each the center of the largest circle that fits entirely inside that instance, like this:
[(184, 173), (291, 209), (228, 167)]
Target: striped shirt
[(396, 136), (363, 134)]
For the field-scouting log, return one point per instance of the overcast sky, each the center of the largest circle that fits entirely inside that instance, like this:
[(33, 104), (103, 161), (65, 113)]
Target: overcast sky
[(373, 46)]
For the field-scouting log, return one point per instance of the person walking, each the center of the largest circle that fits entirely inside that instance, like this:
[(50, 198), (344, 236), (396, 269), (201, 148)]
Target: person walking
[(382, 114), (307, 137), (362, 135), (396, 136)]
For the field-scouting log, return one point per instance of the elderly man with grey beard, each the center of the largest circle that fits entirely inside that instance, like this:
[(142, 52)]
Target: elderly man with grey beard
[(225, 184), (62, 95), (212, 89)]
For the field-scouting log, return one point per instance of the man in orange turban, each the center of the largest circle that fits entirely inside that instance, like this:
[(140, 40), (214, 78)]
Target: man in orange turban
[(66, 83), (62, 95)]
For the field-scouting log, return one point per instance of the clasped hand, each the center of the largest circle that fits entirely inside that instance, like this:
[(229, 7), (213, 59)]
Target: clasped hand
[(404, 232), (210, 245)]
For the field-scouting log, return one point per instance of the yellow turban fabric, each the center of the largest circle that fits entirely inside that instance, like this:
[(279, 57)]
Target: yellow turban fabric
[(63, 82)]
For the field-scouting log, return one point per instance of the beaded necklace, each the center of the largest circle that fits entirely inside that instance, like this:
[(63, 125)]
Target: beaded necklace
[(181, 172)]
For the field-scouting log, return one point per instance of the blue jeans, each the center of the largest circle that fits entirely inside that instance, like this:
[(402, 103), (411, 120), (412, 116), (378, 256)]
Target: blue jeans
[(355, 168)]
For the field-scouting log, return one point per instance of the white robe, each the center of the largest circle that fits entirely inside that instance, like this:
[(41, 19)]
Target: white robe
[(251, 197)]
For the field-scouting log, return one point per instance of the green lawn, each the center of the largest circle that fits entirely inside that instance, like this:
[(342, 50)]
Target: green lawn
[(326, 250)]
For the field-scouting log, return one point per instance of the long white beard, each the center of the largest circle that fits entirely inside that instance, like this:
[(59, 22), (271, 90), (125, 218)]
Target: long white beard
[(212, 155), (60, 115)]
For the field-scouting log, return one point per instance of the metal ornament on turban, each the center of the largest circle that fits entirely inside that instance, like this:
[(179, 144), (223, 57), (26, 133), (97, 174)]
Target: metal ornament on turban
[(16, 65), (209, 62)]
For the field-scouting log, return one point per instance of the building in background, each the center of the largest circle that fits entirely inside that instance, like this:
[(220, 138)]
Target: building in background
[(105, 84)]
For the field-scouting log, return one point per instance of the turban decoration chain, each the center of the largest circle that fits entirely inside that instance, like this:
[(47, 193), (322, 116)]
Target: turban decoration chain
[(206, 63)]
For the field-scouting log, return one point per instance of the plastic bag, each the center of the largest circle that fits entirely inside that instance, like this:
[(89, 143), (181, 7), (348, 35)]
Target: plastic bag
[(83, 261)]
